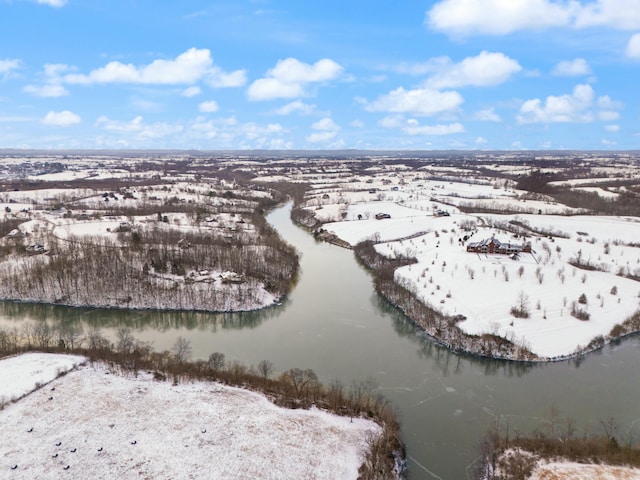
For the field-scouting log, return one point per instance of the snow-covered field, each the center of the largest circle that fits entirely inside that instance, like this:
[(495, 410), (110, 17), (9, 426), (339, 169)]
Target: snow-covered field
[(578, 471), (94, 423), (424, 223)]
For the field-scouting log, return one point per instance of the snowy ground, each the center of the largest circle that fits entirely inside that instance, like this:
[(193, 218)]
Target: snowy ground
[(484, 288), (92, 423), (577, 471)]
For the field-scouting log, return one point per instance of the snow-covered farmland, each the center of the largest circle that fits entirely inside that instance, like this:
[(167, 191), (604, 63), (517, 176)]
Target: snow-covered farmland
[(93, 422), (484, 288), (580, 471)]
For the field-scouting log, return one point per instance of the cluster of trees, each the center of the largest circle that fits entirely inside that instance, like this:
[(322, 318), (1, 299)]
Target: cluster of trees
[(294, 388), (145, 267), (507, 455), (625, 203), (442, 328)]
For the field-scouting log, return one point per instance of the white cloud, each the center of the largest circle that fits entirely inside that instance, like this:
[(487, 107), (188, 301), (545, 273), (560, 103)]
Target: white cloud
[(192, 91), (608, 115), (481, 141), (357, 124), (141, 130), (296, 106), (487, 115), (134, 125), (422, 101), (8, 66), (46, 90), (633, 47), (618, 14), (572, 107), (572, 68), (319, 137), (391, 121), (326, 124), (612, 128), (216, 78), (228, 133), (290, 77), (53, 3), (608, 143), (434, 129), (61, 119), (497, 17), (187, 68), (208, 107), (485, 69), (326, 128), (501, 17)]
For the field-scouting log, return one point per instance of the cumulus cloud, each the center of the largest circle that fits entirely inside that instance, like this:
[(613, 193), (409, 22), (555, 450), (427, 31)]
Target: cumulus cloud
[(485, 69), (61, 119), (290, 77), (415, 129), (421, 101), (618, 14), (572, 68), (141, 130), (633, 47), (208, 107), (573, 107), (487, 115), (612, 128), (8, 66), (296, 106), (228, 132), (501, 17), (326, 129), (46, 90), (192, 91), (187, 68), (53, 3)]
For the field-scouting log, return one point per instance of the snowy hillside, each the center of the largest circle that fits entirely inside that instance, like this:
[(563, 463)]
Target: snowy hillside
[(95, 423)]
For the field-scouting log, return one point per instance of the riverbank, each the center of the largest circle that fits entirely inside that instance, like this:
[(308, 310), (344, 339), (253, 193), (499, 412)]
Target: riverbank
[(96, 418), (444, 329)]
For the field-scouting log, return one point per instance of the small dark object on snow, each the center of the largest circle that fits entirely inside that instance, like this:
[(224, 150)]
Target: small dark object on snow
[(54, 456), (15, 467), (74, 450), (134, 442), (50, 398), (204, 431), (67, 467), (58, 444), (100, 449), (30, 430)]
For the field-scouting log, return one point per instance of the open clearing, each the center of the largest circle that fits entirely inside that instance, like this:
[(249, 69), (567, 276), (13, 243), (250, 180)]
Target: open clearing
[(95, 423)]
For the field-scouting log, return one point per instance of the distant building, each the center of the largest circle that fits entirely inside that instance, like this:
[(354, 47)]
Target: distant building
[(382, 216), (493, 245)]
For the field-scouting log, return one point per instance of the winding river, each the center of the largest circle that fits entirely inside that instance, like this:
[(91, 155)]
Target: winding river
[(334, 323)]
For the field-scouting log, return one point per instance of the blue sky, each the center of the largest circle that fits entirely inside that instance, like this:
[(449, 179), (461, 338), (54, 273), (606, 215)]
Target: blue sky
[(278, 74)]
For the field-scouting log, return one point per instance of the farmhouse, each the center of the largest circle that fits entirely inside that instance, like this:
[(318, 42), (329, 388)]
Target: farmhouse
[(493, 245), (382, 216)]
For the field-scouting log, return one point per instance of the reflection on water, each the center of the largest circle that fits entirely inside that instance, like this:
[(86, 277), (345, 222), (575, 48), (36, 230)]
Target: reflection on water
[(15, 313), (334, 323)]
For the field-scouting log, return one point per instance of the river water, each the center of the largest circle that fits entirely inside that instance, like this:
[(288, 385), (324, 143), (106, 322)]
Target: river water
[(334, 323)]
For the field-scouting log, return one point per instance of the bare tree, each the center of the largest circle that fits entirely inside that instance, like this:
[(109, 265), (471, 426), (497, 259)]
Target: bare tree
[(521, 308), (265, 367), (216, 362), (301, 380), (182, 350)]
